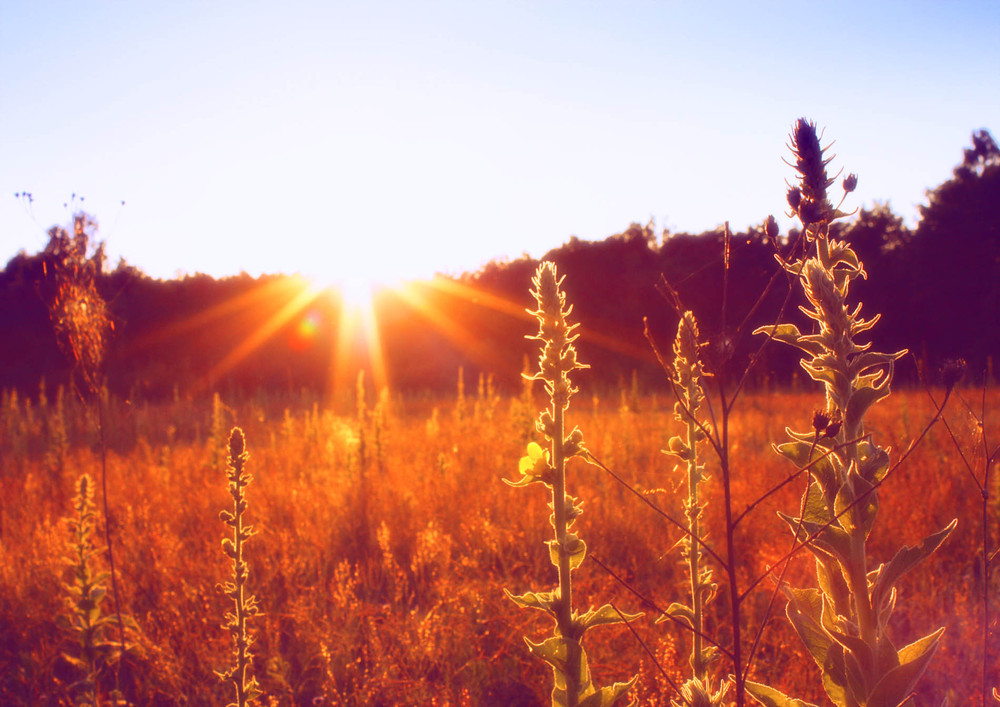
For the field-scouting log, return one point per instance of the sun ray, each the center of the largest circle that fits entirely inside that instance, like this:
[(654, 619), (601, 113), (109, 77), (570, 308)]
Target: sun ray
[(296, 304), (358, 341), (245, 301), (468, 342)]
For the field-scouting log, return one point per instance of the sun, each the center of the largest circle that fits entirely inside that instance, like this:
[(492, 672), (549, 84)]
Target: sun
[(357, 343), (355, 293)]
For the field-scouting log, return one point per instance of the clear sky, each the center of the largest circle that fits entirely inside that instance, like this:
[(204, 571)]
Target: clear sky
[(380, 140)]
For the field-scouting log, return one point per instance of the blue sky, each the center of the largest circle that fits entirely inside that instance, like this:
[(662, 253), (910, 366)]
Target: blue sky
[(387, 140)]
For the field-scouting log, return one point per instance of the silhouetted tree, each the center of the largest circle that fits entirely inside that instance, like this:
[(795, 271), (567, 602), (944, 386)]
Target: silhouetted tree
[(956, 261)]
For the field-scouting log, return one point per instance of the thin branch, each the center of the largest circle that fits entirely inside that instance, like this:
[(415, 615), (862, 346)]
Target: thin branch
[(653, 605), (590, 458), (650, 654)]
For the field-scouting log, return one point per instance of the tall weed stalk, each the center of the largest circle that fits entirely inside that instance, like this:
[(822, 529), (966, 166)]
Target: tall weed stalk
[(564, 651), (244, 603), (92, 629), (844, 621)]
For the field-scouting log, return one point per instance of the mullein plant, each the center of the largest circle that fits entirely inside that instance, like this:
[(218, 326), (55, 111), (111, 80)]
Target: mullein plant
[(686, 380), (92, 629), (844, 621), (563, 651), (244, 603)]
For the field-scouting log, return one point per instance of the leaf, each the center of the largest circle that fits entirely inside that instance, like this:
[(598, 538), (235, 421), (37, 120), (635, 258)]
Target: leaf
[(608, 696), (525, 480), (874, 462), (604, 616), (575, 548), (790, 334), (798, 454), (679, 611), (545, 601), (769, 697), (906, 559), (896, 685), (555, 652), (866, 508), (829, 540), (804, 610), (859, 402)]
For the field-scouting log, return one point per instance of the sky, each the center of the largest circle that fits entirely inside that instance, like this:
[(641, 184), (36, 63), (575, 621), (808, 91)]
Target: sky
[(378, 141)]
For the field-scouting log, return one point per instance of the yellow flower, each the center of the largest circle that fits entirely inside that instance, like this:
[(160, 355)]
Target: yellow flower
[(536, 461)]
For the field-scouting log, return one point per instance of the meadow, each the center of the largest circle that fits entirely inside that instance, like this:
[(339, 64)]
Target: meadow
[(395, 598), (370, 550)]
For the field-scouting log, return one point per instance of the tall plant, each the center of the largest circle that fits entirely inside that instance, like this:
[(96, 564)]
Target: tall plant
[(687, 383), (844, 621), (564, 649)]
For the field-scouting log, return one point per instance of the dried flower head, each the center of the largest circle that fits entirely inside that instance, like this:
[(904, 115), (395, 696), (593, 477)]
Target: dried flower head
[(952, 372), (78, 312), (771, 228)]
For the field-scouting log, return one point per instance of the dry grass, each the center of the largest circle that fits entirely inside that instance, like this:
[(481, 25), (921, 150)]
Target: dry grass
[(407, 609)]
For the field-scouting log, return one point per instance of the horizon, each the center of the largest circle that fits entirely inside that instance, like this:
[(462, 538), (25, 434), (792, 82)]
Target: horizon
[(381, 144)]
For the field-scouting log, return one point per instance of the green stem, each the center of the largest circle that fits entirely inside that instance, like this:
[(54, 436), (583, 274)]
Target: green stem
[(564, 616), (694, 553)]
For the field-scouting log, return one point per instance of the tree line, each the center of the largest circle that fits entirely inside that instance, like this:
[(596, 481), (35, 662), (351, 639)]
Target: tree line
[(936, 287)]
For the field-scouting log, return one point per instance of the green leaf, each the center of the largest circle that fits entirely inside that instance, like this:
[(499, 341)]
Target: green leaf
[(798, 454), (679, 611), (525, 480), (829, 540), (790, 334), (896, 685), (575, 548), (859, 403), (906, 559), (545, 601), (555, 652), (677, 448), (604, 616), (874, 462), (769, 697), (804, 610), (867, 508), (608, 696)]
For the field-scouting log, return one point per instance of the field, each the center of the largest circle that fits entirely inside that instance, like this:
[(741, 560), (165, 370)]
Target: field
[(385, 536)]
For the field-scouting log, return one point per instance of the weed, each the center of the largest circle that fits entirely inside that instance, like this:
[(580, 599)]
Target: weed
[(86, 621), (564, 651), (244, 604), (844, 621)]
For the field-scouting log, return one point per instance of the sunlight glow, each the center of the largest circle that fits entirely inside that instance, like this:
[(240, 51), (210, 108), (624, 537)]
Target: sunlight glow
[(358, 343), (294, 306)]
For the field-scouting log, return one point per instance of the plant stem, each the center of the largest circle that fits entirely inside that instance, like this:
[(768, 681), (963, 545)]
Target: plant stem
[(565, 610)]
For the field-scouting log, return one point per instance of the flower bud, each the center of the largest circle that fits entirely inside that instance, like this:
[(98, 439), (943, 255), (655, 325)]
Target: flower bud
[(850, 183), (236, 443), (952, 372), (771, 228), (794, 198), (820, 421)]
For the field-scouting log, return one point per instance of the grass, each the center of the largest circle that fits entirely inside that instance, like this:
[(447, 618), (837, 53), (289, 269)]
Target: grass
[(422, 620)]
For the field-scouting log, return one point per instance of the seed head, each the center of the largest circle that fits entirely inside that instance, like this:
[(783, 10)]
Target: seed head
[(771, 228), (809, 160), (236, 443), (952, 372), (820, 421)]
